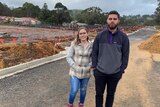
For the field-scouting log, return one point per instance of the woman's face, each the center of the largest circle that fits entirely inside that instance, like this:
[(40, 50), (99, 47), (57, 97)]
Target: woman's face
[(83, 35)]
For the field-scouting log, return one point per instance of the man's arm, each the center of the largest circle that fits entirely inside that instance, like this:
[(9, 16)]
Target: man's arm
[(125, 54), (95, 50)]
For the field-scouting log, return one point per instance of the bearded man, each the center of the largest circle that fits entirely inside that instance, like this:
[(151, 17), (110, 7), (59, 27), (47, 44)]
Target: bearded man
[(109, 59)]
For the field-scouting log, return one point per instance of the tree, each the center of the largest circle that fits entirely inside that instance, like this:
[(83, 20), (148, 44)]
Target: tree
[(91, 16), (157, 13), (45, 13), (29, 10), (17, 12), (4, 10), (60, 6), (61, 14), (133, 20)]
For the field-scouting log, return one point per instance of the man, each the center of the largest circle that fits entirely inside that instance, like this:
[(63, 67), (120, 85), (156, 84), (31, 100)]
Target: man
[(110, 59)]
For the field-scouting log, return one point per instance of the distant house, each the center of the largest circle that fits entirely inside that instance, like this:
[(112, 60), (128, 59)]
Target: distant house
[(81, 24), (27, 21), (22, 21), (3, 19), (75, 24), (34, 21)]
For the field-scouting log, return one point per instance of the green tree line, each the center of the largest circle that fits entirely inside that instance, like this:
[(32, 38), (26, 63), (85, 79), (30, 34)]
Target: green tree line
[(61, 14)]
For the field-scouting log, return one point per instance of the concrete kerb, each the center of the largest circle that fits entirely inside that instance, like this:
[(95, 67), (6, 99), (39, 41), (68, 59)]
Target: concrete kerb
[(29, 65), (132, 32)]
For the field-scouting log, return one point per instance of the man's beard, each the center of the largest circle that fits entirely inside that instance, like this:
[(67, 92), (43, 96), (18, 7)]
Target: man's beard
[(112, 27)]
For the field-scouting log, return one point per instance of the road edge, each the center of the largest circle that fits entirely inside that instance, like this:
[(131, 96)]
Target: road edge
[(6, 72)]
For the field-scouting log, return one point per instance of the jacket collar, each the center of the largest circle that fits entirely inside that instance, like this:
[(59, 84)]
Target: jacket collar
[(114, 32)]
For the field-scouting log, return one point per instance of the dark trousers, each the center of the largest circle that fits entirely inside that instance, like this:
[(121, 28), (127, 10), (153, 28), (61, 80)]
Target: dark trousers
[(101, 80)]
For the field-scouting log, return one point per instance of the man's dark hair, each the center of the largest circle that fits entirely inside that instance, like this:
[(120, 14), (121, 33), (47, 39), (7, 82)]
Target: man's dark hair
[(114, 12)]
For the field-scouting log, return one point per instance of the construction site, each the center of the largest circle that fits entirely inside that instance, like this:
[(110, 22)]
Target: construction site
[(23, 44)]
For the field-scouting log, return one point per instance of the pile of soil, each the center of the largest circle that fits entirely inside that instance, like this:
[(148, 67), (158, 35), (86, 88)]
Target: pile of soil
[(152, 44), (13, 54)]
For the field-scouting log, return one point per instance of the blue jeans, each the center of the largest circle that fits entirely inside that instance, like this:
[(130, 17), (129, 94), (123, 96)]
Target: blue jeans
[(77, 83)]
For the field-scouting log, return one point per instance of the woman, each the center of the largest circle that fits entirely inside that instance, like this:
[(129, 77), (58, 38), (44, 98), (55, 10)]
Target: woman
[(79, 59)]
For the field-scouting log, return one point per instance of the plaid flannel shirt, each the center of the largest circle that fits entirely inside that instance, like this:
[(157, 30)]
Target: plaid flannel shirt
[(79, 59)]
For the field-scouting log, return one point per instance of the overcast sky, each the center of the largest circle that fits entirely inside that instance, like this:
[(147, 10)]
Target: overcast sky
[(124, 7)]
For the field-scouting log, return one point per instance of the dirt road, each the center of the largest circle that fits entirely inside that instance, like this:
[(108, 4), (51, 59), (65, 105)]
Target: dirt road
[(137, 87)]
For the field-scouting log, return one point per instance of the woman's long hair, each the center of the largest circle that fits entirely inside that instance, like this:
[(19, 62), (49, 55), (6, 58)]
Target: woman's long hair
[(77, 40)]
